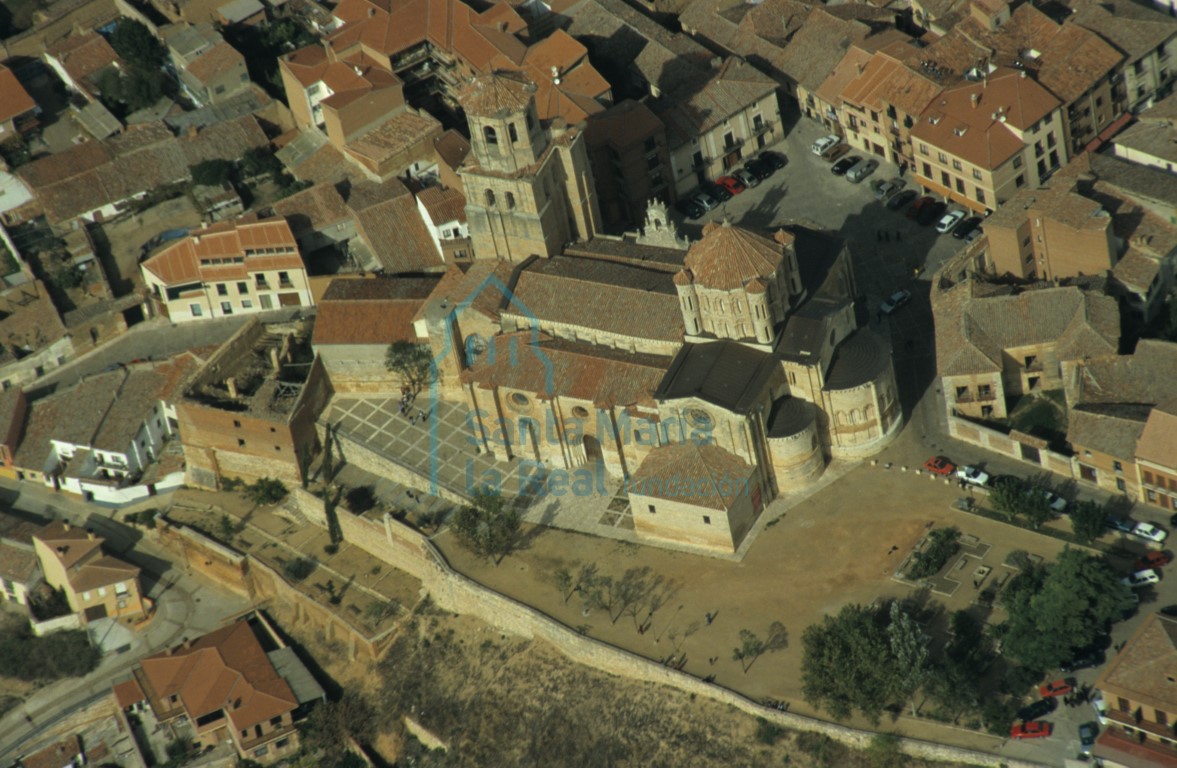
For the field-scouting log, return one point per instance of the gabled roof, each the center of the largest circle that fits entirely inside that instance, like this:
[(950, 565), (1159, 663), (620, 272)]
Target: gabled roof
[(1112, 429), (717, 477), (215, 62), (1134, 29), (227, 669), (1142, 669), (14, 99), (1146, 376), (727, 257), (80, 554), (734, 87), (724, 373), (377, 310), (886, 81), (1158, 441), (497, 94), (83, 55), (387, 219), (17, 563), (443, 204), (227, 250)]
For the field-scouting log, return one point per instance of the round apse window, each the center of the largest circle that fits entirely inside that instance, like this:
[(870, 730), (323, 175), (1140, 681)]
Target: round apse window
[(699, 418), (519, 399), (580, 412)]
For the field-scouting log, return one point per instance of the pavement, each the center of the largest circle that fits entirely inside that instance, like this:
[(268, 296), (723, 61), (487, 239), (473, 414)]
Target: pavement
[(188, 605)]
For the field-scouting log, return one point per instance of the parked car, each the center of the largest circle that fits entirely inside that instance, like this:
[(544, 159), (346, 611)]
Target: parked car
[(1087, 734), (774, 159), (1152, 560), (1100, 706), (862, 170), (731, 184), (973, 476), (930, 213), (974, 235), (746, 178), (949, 221), (835, 152), (900, 199), (1121, 524), (914, 211), (1040, 708), (1033, 730), (822, 145), (759, 169), (1173, 520), (1059, 687), (705, 201), (1141, 579), (966, 226), (884, 189), (939, 465), (716, 190), (1150, 532), (1086, 659), (690, 209), (1058, 504), (895, 301), (845, 164)]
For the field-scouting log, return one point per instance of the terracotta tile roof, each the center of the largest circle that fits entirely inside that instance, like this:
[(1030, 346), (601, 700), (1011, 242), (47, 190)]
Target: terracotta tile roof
[(14, 99), (610, 297), (452, 148), (812, 53), (886, 81), (128, 692), (718, 20), (979, 133), (567, 85), (727, 257), (1141, 670), (310, 157), (207, 254), (1158, 441), (625, 124), (226, 669), (215, 62), (376, 310), (736, 86), (84, 55), (443, 204), (1117, 747), (1152, 186), (724, 373), (973, 331), (478, 287), (394, 136), (1113, 430), (497, 94), (387, 219), (702, 475), (101, 572), (313, 209), (1133, 29), (548, 368), (846, 70), (17, 563), (1145, 376), (71, 416), (1155, 138), (68, 543), (1136, 271), (64, 752), (1058, 200)]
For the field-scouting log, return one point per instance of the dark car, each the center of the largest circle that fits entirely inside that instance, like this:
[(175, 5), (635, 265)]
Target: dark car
[(1087, 734), (901, 199), (1040, 708), (1173, 520), (914, 211), (930, 213), (1085, 659), (1121, 524), (774, 159), (759, 169), (718, 191), (689, 208), (846, 163), (965, 227)]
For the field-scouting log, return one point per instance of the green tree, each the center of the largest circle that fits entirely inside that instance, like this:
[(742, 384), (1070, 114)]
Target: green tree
[(1014, 497), (266, 491), (1088, 521), (909, 649), (140, 88), (752, 647), (411, 361), (885, 751), (952, 683), (1058, 609), (211, 173), (134, 42), (25, 656), (260, 161), (226, 528), (847, 663), (488, 527), (330, 726)]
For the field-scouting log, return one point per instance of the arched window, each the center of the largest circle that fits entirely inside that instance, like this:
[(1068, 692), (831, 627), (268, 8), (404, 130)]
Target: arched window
[(512, 132), (510, 201), (492, 137), (490, 198)]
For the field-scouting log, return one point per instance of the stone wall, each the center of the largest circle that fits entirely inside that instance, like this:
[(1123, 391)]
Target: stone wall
[(992, 440), (410, 551), (223, 565), (349, 451)]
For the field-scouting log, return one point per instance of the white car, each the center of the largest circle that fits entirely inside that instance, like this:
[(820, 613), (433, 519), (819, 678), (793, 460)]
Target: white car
[(973, 476), (1150, 532), (705, 201), (1141, 579), (1058, 504), (746, 178), (824, 143), (895, 301), (948, 221), (1100, 707)]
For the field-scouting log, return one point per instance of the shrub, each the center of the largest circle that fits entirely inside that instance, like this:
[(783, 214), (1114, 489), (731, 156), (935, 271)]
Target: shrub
[(942, 544), (768, 733), (299, 568), (266, 491), (61, 654)]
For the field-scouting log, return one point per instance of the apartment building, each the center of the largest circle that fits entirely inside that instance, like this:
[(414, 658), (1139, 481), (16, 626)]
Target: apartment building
[(631, 162), (96, 585), (1147, 39), (978, 143), (226, 269), (1152, 140)]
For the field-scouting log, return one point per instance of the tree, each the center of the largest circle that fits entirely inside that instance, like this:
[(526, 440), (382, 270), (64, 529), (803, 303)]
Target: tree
[(488, 527), (134, 42), (884, 751), (909, 648), (265, 491), (211, 173), (259, 161), (1088, 521), (140, 88), (1013, 497), (848, 664), (952, 683), (25, 656), (749, 649), (411, 361), (226, 527), (1056, 610), (299, 568), (330, 726), (361, 498)]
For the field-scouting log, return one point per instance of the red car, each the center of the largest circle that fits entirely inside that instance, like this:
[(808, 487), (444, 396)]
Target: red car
[(913, 212), (1033, 730), (1057, 688), (731, 184), (1152, 560), (939, 465)]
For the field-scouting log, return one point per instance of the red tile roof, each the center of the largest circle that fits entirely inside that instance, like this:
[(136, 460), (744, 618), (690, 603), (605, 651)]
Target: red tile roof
[(703, 475), (14, 99), (84, 55), (376, 310), (195, 258), (443, 204), (128, 692), (727, 257)]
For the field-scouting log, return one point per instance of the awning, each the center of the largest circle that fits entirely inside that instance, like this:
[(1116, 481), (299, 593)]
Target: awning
[(1107, 133)]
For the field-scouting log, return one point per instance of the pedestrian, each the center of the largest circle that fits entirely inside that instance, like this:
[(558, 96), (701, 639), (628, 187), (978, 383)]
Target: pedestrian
[(886, 237), (642, 629), (878, 236), (898, 236), (710, 618), (421, 414)]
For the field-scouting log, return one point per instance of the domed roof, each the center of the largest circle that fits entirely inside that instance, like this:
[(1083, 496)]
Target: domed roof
[(497, 95), (728, 257), (789, 416), (859, 358)]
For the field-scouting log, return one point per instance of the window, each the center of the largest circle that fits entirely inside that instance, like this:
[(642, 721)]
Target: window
[(942, 157), (261, 751), (1099, 101), (490, 198), (956, 165), (120, 588), (226, 308), (962, 392), (246, 304), (706, 520), (512, 133), (519, 399), (243, 288), (984, 390), (1050, 140), (976, 174), (1162, 717), (196, 309), (944, 179), (283, 278), (1151, 496), (927, 171), (1117, 466), (651, 144), (652, 162), (276, 721), (102, 591), (236, 423), (222, 289), (85, 597), (980, 195), (510, 199), (1120, 486), (489, 134), (1018, 161), (1020, 181), (245, 733), (240, 442), (960, 186), (651, 508), (923, 149)]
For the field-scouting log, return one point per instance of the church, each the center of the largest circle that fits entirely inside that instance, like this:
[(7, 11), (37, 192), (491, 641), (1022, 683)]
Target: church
[(705, 377)]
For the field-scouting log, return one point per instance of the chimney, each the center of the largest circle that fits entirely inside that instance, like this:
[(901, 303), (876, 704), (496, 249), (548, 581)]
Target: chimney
[(976, 100), (555, 75), (231, 384), (65, 525), (90, 535)]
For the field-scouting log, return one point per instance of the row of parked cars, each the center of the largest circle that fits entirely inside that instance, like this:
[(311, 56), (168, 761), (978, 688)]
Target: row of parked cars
[(712, 193)]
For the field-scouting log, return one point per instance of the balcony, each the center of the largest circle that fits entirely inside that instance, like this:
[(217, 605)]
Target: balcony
[(698, 163), (765, 126), (733, 145)]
